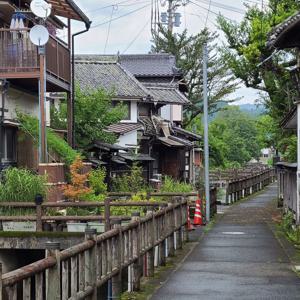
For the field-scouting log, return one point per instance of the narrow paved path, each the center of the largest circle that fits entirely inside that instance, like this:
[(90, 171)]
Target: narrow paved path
[(238, 259)]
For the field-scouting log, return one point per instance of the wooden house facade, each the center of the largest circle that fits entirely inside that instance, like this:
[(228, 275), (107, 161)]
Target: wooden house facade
[(21, 71), (149, 134)]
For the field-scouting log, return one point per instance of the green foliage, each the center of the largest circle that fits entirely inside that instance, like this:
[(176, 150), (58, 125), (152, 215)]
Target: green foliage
[(233, 138), (99, 187), (247, 48), (288, 226), (288, 147), (93, 113), (30, 125), (132, 182), (171, 185), (267, 131), (21, 185), (188, 51)]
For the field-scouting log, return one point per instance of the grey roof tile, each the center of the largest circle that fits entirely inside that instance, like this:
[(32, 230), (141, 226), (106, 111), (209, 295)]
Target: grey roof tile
[(167, 93), (276, 34), (109, 76), (122, 128), (151, 65)]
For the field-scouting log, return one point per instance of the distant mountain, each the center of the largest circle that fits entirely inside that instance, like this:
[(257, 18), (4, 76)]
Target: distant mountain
[(253, 109)]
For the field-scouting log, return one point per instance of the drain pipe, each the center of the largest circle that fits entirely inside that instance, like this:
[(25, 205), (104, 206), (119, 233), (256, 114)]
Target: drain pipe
[(4, 84), (88, 26)]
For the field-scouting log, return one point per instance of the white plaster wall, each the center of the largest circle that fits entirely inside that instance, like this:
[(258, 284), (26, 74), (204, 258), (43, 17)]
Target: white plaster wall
[(177, 113), (24, 102), (128, 139), (171, 112), (165, 112), (133, 113)]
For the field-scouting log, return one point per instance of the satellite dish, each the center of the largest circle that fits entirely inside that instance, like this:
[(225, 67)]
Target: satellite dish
[(40, 8), (39, 35)]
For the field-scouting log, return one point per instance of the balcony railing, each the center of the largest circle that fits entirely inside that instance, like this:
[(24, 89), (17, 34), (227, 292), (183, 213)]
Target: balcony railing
[(19, 55)]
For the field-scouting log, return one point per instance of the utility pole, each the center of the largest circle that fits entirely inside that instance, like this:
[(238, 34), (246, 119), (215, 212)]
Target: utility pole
[(206, 147), (170, 15)]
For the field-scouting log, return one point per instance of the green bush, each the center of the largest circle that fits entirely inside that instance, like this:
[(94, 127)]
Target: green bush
[(55, 143), (171, 185), (132, 182), (21, 185)]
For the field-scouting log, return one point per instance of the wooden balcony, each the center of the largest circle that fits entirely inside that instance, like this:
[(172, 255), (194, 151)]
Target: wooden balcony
[(19, 60)]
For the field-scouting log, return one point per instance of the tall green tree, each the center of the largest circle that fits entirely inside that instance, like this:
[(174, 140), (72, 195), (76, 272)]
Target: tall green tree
[(93, 113), (188, 51), (246, 53)]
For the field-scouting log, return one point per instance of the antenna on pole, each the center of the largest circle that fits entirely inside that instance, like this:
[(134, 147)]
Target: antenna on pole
[(39, 36)]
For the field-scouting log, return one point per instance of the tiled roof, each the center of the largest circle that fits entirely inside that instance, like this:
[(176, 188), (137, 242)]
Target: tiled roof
[(277, 33), (152, 65), (166, 93), (187, 133), (109, 76), (122, 128), (149, 128)]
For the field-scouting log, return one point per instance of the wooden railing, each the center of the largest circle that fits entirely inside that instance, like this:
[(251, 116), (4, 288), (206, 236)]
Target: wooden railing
[(78, 272), (42, 213), (240, 188), (19, 55)]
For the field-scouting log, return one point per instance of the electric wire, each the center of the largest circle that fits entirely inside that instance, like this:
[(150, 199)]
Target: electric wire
[(136, 37), (119, 17)]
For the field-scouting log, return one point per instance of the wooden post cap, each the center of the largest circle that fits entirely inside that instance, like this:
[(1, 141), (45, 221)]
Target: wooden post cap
[(52, 245), (90, 231)]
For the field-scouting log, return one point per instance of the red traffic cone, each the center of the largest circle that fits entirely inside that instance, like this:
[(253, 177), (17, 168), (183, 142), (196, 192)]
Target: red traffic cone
[(198, 214), (189, 223)]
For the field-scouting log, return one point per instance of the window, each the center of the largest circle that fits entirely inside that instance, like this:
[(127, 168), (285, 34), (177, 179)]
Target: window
[(127, 104), (9, 146)]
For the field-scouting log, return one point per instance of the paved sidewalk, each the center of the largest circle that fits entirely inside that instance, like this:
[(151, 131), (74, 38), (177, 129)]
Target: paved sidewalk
[(238, 259)]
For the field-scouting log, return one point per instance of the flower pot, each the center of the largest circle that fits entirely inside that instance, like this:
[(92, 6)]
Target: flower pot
[(100, 227), (76, 227), (18, 226)]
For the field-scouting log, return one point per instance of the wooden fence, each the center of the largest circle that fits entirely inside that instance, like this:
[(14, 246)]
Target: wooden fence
[(241, 188), (81, 271), (44, 220)]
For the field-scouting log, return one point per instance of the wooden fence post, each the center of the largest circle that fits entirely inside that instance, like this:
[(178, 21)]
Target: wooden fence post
[(116, 281), (171, 228), (1, 287), (136, 266), (107, 213), (90, 268), (53, 275), (150, 253), (162, 245)]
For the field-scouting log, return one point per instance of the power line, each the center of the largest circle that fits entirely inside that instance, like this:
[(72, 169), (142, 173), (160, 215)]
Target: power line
[(222, 6), (208, 12), (119, 17), (111, 5), (136, 37)]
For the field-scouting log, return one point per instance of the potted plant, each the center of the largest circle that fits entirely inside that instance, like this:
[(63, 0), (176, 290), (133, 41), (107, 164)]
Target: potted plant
[(21, 185)]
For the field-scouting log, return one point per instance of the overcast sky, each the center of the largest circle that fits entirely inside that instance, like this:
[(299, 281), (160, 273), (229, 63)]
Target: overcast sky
[(130, 31)]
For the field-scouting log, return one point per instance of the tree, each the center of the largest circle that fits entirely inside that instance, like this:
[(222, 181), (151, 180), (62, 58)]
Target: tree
[(234, 134), (93, 113), (247, 52), (188, 51)]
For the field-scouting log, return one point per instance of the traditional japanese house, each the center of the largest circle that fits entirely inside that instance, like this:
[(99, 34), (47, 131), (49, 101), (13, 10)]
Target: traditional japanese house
[(153, 135), (286, 36), (20, 72)]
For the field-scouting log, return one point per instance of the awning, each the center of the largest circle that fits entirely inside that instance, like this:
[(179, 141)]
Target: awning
[(169, 142), (123, 128), (187, 133), (107, 147), (118, 160), (136, 157)]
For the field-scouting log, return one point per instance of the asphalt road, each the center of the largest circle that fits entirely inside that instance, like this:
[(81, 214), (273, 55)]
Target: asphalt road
[(238, 259)]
